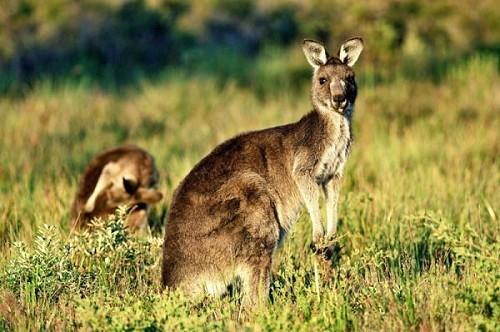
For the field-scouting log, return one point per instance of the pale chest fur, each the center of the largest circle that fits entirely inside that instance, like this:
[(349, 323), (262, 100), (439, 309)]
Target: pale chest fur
[(336, 150)]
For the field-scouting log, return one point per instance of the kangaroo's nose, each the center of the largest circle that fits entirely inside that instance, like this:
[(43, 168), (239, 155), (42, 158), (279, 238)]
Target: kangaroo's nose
[(339, 98)]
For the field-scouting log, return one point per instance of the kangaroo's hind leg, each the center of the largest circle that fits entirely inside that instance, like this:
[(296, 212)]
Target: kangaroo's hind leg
[(256, 279), (261, 239)]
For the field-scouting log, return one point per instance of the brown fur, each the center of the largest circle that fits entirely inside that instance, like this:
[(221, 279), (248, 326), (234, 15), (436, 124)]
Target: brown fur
[(138, 191), (230, 212)]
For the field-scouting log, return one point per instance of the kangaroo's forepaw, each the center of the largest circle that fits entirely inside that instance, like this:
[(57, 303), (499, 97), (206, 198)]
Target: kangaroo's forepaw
[(326, 249)]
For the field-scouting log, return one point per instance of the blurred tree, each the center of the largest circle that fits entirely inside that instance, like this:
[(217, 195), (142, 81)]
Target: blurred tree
[(113, 39)]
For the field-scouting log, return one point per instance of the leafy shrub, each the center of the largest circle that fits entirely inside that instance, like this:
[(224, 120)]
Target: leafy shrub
[(42, 272), (102, 259)]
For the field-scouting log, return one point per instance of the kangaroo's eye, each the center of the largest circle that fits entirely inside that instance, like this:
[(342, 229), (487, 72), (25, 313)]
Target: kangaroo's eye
[(322, 80)]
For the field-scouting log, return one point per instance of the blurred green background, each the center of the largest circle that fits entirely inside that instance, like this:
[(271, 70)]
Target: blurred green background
[(114, 43), (419, 229)]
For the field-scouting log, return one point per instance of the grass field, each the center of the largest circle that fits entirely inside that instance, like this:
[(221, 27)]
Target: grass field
[(419, 231)]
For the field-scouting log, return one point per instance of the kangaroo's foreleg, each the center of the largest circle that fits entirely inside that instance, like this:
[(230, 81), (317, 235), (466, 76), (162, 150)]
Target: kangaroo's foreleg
[(332, 191), (310, 192)]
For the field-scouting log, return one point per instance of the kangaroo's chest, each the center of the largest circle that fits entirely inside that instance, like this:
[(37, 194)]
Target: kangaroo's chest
[(331, 161)]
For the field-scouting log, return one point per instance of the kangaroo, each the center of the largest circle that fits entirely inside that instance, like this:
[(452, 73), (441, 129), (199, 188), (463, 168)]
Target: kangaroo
[(231, 211), (123, 175)]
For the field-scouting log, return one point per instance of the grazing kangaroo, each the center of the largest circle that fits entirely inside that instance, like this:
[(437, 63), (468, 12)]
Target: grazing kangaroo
[(231, 211), (123, 175)]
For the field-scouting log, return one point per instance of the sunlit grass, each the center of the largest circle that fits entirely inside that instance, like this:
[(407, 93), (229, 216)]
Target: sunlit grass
[(419, 206)]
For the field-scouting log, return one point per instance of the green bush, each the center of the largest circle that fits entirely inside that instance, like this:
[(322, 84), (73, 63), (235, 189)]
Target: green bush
[(106, 258)]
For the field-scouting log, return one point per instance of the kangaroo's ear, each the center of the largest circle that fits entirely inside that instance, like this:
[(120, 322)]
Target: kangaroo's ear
[(148, 195), (350, 50), (315, 52), (130, 184)]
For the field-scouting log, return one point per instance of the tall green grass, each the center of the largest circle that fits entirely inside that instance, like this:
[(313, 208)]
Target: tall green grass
[(419, 230)]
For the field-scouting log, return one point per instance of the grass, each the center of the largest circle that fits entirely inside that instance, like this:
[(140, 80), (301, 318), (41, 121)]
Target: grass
[(419, 234)]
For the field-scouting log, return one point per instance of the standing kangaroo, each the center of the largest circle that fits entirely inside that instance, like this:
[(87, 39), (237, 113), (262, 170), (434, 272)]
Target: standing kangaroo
[(123, 175), (231, 211)]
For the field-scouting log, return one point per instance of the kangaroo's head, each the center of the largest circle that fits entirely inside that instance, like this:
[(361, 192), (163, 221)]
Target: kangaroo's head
[(333, 85), (117, 186)]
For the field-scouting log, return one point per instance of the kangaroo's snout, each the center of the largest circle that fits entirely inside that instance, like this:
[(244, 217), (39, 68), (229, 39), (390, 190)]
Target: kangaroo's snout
[(339, 98), (338, 94), (339, 102)]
